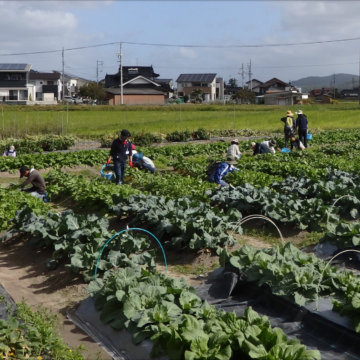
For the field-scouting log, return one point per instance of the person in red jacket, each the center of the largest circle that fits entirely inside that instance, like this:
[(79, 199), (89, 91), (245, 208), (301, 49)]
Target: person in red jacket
[(121, 149)]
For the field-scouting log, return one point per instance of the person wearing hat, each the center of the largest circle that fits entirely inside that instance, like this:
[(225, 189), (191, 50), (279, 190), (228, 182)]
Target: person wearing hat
[(302, 126), (219, 171), (120, 151), (143, 162), (10, 152), (289, 126), (260, 148), (34, 178), (233, 152)]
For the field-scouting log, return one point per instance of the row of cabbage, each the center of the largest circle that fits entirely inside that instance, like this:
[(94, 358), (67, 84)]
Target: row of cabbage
[(130, 294)]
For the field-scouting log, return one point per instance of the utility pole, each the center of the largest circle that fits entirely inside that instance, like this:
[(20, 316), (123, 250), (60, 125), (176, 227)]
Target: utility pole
[(242, 73), (101, 63), (250, 75), (334, 84), (62, 77), (121, 76), (359, 81)]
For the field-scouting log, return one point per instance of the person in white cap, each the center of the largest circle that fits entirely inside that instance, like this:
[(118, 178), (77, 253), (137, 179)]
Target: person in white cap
[(302, 126), (10, 152), (233, 152)]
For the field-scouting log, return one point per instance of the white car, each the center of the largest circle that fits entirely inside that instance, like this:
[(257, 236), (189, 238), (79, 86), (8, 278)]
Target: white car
[(68, 99)]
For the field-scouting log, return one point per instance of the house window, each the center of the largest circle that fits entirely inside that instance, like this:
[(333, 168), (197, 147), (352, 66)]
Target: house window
[(13, 94), (23, 94), (50, 82)]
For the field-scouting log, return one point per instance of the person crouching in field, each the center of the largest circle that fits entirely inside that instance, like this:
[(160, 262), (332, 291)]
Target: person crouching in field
[(296, 143), (143, 162), (120, 150), (261, 148), (34, 178), (233, 152), (218, 170), (10, 151)]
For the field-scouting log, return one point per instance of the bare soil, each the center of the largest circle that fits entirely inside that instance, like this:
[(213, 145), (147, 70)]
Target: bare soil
[(24, 276)]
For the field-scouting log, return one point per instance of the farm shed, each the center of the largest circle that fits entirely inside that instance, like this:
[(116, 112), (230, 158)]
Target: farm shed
[(282, 98)]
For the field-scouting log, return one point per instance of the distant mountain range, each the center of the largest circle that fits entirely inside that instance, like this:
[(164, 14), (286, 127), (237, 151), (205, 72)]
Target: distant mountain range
[(342, 81)]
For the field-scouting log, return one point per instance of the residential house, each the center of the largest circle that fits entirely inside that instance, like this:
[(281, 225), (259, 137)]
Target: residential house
[(139, 86), (187, 83), (14, 83), (275, 85), (48, 86), (220, 87), (167, 86), (322, 91), (323, 99), (350, 93), (256, 86), (72, 84)]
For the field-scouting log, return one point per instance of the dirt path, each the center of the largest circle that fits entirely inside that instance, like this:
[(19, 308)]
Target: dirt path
[(24, 276)]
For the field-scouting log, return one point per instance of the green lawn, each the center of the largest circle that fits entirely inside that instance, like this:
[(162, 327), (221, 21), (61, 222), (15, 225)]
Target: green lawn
[(88, 120)]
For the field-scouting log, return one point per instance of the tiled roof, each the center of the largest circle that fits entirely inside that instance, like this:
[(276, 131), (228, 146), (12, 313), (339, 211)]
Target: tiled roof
[(36, 75), (196, 78)]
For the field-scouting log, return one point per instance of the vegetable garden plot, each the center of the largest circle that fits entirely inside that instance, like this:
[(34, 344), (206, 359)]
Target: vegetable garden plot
[(322, 330), (117, 343)]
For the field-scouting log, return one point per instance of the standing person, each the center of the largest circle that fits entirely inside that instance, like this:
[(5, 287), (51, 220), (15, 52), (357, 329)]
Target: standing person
[(302, 126), (233, 152), (34, 178), (10, 152), (119, 152), (289, 126), (143, 162), (217, 171)]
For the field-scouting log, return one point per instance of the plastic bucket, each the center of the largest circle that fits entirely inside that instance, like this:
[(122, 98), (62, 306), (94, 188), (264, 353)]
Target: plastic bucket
[(107, 176), (309, 136), (285, 150)]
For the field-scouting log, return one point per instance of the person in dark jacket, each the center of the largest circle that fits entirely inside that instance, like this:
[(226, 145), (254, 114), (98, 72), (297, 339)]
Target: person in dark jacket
[(120, 151), (34, 178), (302, 126), (219, 173), (289, 126)]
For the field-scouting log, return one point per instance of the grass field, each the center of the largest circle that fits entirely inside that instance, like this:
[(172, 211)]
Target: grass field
[(89, 121)]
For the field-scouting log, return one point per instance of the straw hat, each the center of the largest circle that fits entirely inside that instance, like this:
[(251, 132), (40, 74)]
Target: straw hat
[(289, 113)]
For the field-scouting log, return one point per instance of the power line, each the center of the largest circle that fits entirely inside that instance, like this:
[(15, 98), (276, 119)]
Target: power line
[(185, 45)]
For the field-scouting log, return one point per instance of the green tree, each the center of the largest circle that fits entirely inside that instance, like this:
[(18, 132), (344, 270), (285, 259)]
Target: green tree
[(196, 95), (244, 96), (93, 90), (232, 83)]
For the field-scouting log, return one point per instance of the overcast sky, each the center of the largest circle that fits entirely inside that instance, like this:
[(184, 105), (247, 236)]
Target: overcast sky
[(205, 37)]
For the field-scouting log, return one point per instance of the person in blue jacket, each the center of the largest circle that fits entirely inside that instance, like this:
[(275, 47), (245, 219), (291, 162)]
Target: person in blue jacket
[(219, 171)]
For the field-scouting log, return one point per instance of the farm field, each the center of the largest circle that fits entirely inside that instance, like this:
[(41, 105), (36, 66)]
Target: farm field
[(312, 196), (94, 121)]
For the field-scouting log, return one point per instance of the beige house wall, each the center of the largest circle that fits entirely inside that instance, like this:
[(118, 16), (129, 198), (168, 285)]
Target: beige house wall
[(138, 100)]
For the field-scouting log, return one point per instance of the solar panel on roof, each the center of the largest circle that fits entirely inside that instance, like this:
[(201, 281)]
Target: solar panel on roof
[(13, 66)]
